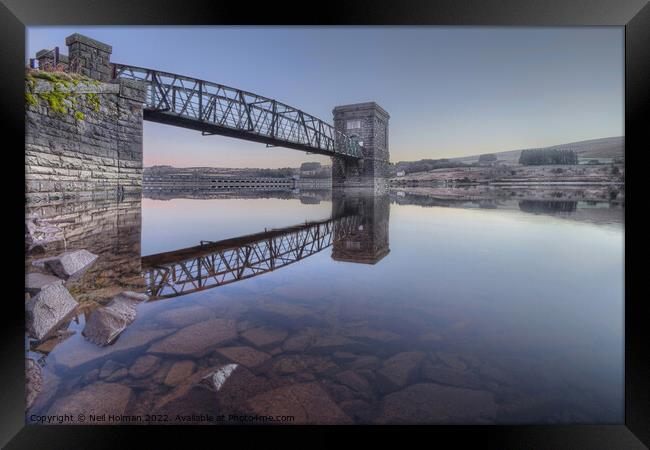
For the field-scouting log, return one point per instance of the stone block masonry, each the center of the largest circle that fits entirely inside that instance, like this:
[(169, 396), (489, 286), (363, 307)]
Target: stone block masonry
[(83, 136), (368, 124)]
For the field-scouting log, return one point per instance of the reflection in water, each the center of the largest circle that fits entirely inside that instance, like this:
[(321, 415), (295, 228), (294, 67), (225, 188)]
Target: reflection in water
[(214, 264), (470, 310), (546, 206)]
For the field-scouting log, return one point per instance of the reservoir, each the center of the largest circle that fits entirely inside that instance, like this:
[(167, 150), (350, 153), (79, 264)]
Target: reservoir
[(315, 307)]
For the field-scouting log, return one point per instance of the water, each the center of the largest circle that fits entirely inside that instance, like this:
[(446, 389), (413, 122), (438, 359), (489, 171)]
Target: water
[(411, 307)]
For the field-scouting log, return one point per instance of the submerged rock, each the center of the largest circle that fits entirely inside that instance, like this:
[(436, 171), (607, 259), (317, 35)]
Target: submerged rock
[(179, 372), (182, 317), (264, 336), (216, 379), (197, 339), (106, 323), (131, 341), (428, 403), (308, 403), (33, 381), (399, 369), (98, 399), (144, 365), (71, 265), (246, 356), (35, 282), (47, 310)]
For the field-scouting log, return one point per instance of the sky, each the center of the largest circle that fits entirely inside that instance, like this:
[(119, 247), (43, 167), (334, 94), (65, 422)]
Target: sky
[(450, 91)]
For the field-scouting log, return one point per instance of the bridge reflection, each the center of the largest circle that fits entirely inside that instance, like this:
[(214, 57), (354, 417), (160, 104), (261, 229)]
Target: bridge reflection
[(357, 231)]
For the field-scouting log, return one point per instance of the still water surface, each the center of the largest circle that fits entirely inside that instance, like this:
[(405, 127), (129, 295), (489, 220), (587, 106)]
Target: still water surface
[(451, 313)]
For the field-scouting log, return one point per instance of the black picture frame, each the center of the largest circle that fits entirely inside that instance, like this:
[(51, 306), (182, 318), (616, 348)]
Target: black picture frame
[(634, 15)]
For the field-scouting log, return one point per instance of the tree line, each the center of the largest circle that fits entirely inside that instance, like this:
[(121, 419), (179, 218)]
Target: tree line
[(547, 156)]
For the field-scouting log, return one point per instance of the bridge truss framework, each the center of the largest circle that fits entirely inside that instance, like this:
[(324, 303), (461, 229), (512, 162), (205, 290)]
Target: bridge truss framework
[(213, 108), (214, 264)]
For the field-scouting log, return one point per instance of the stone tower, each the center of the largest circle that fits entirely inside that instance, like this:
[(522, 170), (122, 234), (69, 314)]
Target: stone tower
[(367, 123)]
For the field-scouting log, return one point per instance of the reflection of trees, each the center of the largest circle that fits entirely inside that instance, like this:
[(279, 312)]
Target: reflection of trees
[(547, 206)]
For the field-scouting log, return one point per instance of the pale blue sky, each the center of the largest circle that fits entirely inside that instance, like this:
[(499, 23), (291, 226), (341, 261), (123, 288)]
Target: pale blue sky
[(450, 91)]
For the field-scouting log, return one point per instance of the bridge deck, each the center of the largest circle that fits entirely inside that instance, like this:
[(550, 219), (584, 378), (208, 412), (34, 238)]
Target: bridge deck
[(213, 108)]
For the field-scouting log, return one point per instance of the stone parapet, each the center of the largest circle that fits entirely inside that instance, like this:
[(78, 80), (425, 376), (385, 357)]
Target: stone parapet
[(90, 57)]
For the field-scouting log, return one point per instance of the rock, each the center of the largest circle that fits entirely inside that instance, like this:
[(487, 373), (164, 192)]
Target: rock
[(308, 403), (47, 310), (33, 381), (359, 410), (399, 369), (182, 317), (244, 325), (196, 340), (338, 392), (241, 385), (452, 361), (495, 374), (179, 372), (49, 386), (264, 336), (330, 344), (365, 362), (118, 374), (372, 334), (96, 399), (71, 265), (144, 366), (91, 376), (215, 380), (430, 336), (130, 341), (161, 373), (355, 382), (192, 405), (428, 403), (444, 375), (36, 281), (132, 297), (108, 368), (246, 356), (290, 364), (297, 343), (108, 322), (49, 345), (344, 356)]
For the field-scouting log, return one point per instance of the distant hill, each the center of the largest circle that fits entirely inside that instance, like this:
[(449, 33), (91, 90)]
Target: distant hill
[(610, 147)]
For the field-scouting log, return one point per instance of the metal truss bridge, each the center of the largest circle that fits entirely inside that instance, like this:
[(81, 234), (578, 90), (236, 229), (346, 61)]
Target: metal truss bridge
[(213, 264), (213, 108)]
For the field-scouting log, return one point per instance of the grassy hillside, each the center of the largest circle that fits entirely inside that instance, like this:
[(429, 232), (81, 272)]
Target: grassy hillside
[(610, 147)]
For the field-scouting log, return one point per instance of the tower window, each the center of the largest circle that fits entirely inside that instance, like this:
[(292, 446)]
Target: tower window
[(353, 124)]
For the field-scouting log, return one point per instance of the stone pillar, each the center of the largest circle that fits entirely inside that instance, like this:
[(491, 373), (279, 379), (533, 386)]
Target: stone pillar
[(368, 123), (89, 57), (45, 59)]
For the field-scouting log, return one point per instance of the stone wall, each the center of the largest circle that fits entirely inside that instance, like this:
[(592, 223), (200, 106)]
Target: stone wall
[(83, 130), (94, 149)]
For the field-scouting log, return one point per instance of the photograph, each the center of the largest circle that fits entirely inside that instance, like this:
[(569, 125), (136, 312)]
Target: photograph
[(301, 225), (424, 256)]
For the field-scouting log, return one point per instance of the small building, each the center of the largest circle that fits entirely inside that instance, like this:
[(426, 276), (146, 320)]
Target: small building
[(401, 173), (310, 168)]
